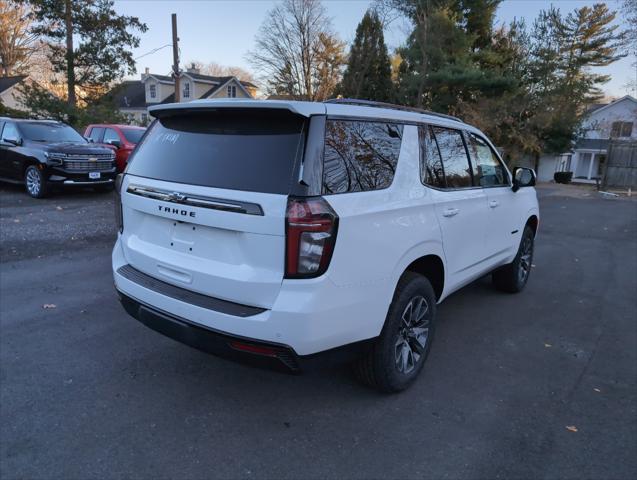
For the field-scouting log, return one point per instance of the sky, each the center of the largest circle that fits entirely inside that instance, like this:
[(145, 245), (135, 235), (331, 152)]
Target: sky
[(222, 31)]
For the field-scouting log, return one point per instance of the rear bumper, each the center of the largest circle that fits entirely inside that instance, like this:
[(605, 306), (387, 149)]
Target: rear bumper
[(244, 350), (308, 316)]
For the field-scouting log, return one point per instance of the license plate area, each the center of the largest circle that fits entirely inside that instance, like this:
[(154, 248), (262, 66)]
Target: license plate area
[(94, 175)]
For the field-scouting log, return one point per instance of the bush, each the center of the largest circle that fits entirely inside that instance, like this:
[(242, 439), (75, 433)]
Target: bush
[(563, 177)]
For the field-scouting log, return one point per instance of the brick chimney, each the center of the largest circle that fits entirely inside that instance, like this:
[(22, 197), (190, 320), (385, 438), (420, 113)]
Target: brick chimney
[(192, 69), (145, 74)]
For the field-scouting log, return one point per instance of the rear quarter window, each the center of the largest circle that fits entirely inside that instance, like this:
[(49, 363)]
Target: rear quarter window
[(359, 155)]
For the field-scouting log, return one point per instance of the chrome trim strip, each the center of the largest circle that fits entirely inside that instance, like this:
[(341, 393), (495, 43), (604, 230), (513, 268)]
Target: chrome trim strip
[(235, 206)]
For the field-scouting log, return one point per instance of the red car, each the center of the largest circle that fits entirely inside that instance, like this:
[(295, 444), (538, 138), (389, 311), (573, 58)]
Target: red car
[(122, 137)]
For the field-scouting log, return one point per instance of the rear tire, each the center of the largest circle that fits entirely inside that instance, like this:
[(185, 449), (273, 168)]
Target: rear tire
[(34, 182), (513, 277), (399, 353)]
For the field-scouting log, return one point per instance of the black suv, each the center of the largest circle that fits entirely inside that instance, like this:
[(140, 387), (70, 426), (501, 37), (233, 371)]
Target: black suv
[(42, 153)]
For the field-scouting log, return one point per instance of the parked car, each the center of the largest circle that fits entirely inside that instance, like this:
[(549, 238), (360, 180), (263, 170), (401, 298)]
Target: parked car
[(299, 233), (122, 137), (44, 153)]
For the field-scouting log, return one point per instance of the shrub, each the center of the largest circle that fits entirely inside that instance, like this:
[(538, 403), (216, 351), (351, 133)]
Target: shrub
[(563, 177)]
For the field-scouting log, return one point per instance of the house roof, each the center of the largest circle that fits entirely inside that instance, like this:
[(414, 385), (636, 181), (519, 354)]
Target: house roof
[(223, 81), (7, 82), (591, 144), (615, 102), (132, 94), (220, 80)]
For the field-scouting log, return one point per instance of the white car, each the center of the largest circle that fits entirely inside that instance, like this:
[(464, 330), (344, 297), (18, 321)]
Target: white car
[(299, 233)]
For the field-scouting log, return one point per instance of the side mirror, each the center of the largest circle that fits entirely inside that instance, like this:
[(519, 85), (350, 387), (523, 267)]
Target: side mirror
[(89, 139), (115, 143), (13, 141), (523, 177)]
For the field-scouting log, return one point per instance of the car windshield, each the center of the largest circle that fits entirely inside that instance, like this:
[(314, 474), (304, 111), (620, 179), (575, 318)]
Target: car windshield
[(133, 135), (50, 132)]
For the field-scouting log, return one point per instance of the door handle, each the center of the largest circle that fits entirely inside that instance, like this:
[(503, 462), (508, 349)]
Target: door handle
[(450, 212), (494, 203)]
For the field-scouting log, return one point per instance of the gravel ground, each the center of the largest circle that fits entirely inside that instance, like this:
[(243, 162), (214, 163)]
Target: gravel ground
[(36, 228), (537, 385)]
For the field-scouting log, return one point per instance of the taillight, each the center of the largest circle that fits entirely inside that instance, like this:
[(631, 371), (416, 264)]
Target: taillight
[(119, 217), (310, 228)]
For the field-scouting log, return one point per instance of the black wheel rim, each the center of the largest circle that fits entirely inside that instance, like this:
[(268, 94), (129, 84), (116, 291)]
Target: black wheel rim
[(413, 335)]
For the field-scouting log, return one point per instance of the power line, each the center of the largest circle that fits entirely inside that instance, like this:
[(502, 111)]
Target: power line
[(153, 51)]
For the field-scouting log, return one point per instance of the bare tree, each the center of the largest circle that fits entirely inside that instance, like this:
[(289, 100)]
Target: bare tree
[(217, 70), (17, 43), (294, 50)]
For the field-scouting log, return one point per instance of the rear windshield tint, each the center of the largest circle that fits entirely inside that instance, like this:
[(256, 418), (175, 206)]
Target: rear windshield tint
[(253, 150)]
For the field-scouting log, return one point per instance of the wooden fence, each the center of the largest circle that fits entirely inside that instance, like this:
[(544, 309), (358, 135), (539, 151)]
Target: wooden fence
[(621, 165)]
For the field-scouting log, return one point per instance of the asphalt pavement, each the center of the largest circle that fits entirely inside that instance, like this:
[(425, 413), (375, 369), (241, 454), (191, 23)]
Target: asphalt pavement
[(542, 384)]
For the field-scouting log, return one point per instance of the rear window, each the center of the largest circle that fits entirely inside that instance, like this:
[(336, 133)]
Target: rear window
[(360, 156), (253, 150)]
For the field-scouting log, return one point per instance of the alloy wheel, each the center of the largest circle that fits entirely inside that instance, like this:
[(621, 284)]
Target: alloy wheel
[(413, 335), (33, 181)]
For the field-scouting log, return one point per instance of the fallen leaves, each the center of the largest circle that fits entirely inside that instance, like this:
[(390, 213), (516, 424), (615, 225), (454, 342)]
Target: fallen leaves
[(571, 428), (48, 306), (597, 390), (547, 345)]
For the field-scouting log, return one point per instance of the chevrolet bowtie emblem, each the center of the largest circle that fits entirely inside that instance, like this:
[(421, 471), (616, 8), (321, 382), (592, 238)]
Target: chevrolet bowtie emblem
[(176, 197)]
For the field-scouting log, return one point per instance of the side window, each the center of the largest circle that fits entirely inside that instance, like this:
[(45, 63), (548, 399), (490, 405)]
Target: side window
[(96, 134), (431, 171), (110, 135), (489, 171), (10, 132), (454, 157), (360, 156)]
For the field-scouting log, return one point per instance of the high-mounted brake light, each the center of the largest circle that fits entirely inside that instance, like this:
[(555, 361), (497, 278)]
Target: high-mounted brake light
[(310, 229)]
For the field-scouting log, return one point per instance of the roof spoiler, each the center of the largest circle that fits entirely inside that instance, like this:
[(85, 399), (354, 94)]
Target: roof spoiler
[(300, 108)]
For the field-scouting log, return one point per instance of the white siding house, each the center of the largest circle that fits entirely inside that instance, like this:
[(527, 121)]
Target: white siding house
[(617, 119), (134, 97)]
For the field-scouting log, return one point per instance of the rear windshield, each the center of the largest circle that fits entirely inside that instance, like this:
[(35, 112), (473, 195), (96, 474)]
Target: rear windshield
[(133, 134), (253, 150)]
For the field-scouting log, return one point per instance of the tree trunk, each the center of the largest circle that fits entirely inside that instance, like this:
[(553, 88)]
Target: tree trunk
[(70, 67)]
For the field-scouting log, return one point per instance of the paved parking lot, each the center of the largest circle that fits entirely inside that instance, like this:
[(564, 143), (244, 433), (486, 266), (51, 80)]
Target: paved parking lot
[(540, 384)]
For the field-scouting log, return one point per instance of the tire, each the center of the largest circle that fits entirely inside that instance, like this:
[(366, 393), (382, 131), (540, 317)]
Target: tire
[(398, 355), (34, 182), (513, 277)]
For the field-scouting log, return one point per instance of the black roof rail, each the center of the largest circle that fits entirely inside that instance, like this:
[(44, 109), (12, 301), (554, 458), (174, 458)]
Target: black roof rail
[(392, 106)]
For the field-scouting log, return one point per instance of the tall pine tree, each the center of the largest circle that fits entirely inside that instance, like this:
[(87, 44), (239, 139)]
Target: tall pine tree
[(368, 73), (88, 42)]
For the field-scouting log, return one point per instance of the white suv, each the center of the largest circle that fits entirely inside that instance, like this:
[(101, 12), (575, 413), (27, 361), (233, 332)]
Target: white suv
[(298, 233)]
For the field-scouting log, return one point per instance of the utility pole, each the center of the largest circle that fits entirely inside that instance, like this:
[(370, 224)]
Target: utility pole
[(175, 57)]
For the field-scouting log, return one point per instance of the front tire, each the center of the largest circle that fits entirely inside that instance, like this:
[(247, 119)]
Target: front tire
[(512, 278), (34, 182), (400, 352)]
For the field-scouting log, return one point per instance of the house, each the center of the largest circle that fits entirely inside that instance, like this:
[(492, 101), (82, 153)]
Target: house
[(133, 97), (603, 122), (10, 95)]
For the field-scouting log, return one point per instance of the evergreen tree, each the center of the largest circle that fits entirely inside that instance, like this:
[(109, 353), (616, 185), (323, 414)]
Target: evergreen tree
[(368, 73), (88, 42)]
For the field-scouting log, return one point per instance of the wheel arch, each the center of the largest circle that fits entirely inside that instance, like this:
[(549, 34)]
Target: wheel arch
[(427, 260), (534, 222)]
